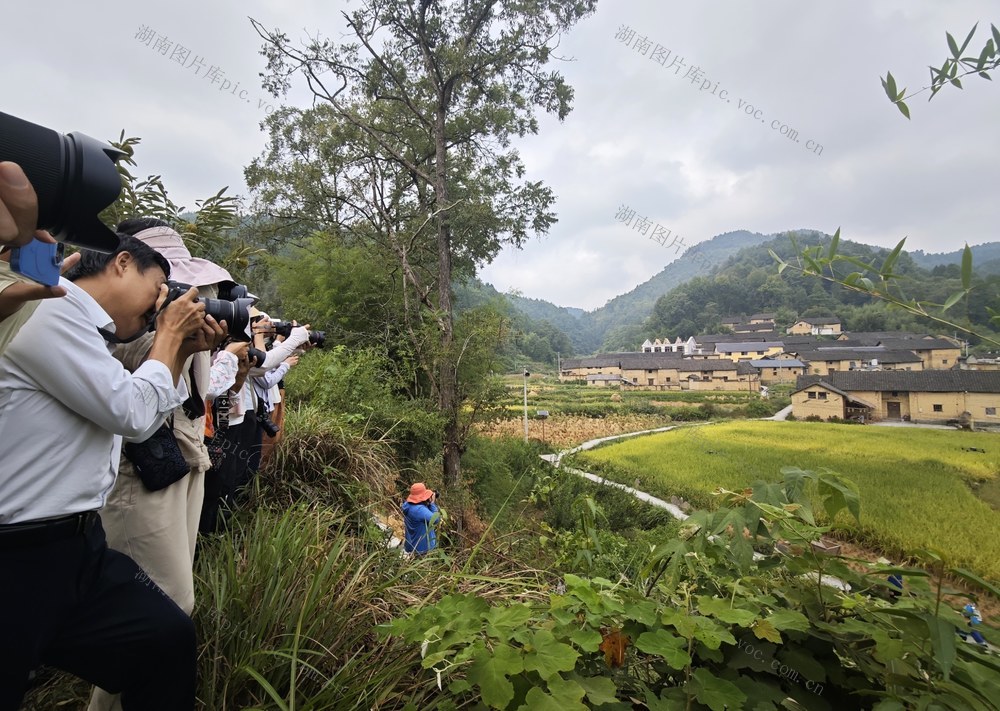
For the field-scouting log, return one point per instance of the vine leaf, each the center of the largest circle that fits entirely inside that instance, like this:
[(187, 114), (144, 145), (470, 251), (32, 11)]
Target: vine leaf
[(490, 671), (613, 646)]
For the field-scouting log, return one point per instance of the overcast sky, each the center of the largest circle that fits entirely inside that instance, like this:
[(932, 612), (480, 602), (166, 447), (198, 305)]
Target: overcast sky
[(641, 135)]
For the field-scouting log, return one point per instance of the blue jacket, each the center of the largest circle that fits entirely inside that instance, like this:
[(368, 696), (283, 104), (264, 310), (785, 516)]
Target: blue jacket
[(420, 520)]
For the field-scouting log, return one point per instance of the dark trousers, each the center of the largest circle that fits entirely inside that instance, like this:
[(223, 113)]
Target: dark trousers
[(77, 605), (223, 482)]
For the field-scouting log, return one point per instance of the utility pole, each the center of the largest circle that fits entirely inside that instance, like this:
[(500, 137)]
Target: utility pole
[(526, 374)]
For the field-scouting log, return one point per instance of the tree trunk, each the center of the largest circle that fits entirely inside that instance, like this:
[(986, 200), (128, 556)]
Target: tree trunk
[(448, 398)]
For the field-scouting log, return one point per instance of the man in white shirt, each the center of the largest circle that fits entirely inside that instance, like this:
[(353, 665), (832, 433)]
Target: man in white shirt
[(65, 404)]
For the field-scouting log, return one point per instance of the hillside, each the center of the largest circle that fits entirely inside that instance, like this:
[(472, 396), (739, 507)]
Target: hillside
[(985, 256)]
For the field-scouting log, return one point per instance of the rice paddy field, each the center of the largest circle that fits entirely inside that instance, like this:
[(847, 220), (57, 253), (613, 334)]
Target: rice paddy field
[(919, 487)]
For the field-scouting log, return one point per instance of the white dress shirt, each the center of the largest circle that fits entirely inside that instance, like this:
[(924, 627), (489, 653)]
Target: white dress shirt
[(65, 404)]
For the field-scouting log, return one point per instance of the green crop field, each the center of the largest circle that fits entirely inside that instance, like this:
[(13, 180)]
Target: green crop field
[(918, 487)]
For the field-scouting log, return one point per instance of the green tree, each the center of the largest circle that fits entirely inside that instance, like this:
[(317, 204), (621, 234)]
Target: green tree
[(423, 104)]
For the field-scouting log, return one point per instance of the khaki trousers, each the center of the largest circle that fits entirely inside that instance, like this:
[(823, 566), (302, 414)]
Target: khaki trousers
[(158, 530)]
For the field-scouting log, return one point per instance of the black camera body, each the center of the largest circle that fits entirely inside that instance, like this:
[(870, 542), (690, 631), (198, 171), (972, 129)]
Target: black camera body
[(256, 357), (236, 312), (265, 423), (284, 329)]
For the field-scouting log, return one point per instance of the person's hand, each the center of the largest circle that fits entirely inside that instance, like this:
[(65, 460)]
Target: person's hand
[(292, 360), (207, 338), (17, 295), (18, 207), (239, 349), (182, 317)]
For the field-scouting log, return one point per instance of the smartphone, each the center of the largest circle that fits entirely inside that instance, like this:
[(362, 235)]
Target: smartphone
[(39, 261)]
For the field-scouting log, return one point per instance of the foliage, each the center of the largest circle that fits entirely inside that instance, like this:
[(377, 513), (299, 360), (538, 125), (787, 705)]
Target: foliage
[(211, 232), (326, 458), (708, 626), (916, 481), (886, 283), (948, 73), (410, 148), (365, 390)]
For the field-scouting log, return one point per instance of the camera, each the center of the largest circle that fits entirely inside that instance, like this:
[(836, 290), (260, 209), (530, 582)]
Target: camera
[(235, 313), (284, 329), (74, 177), (265, 423), (230, 291), (256, 357)]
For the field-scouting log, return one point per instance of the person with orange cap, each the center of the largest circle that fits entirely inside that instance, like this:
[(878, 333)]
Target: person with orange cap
[(420, 516)]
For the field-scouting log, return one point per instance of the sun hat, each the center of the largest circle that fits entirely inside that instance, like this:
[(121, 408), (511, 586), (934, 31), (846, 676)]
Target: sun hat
[(183, 267), (419, 492)]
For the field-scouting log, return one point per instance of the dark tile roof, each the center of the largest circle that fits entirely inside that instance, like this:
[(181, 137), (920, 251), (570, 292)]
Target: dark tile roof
[(820, 320), (859, 354), (915, 344), (931, 381), (872, 338), (731, 346), (707, 365), (629, 360)]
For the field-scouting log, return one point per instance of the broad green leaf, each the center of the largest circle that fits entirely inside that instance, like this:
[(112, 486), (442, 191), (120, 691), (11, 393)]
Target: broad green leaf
[(599, 689), (587, 639), (506, 618), (666, 645), (711, 633), (720, 609), (763, 629), (967, 268), (562, 695), (837, 494), (548, 656), (718, 694), (490, 671), (789, 620)]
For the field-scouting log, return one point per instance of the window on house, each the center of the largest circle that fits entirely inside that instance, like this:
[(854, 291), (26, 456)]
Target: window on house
[(895, 394), (812, 396), (668, 380), (649, 381), (944, 361), (743, 352), (636, 380), (939, 408), (649, 370), (822, 396), (991, 411)]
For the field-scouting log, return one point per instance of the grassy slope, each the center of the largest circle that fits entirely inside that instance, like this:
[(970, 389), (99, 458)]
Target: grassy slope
[(913, 482)]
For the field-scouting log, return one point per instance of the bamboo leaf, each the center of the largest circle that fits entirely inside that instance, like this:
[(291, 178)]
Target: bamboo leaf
[(953, 46), (889, 84), (971, 577), (887, 265), (903, 109), (968, 38), (967, 268), (834, 243), (952, 300)]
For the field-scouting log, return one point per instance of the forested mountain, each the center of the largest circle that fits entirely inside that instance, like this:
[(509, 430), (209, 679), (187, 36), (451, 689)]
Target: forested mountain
[(986, 257), (730, 274), (749, 282)]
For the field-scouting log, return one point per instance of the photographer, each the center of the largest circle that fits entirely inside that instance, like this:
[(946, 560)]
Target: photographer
[(420, 517), (159, 528), (67, 600), (18, 216)]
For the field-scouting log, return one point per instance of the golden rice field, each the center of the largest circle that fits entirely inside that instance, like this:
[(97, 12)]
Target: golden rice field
[(916, 485)]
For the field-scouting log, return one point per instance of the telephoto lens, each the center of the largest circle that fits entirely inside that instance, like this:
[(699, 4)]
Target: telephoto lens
[(235, 313), (74, 177), (317, 338)]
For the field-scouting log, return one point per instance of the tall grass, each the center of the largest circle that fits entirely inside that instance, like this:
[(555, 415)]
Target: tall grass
[(915, 484)]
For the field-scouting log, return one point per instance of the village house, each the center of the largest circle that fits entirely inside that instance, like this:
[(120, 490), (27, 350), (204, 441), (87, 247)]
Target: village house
[(763, 318), (823, 360), (779, 370), (816, 326), (749, 350), (928, 396)]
